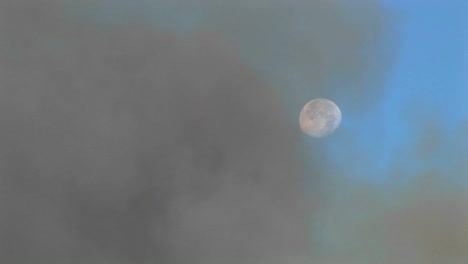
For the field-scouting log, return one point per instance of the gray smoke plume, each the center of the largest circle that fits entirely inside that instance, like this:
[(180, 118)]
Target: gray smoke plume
[(129, 136), (135, 146)]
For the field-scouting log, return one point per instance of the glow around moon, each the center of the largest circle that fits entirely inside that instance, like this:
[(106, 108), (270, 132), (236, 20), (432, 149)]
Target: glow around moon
[(319, 117)]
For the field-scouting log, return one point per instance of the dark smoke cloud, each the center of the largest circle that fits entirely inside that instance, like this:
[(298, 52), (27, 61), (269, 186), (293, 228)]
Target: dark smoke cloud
[(308, 49), (134, 146), (162, 140)]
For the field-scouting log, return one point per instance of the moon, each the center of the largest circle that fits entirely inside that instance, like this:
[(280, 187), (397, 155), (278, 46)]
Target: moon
[(319, 117)]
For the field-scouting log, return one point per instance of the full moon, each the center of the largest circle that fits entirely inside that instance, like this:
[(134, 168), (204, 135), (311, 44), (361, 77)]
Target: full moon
[(319, 117)]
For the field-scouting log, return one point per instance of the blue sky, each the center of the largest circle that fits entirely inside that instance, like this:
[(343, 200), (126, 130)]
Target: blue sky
[(417, 129), (425, 88)]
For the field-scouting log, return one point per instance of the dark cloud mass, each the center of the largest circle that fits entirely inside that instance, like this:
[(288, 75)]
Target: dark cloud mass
[(128, 145), (166, 131)]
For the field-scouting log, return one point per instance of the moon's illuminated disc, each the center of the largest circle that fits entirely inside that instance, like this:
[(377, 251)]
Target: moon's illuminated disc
[(319, 117)]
